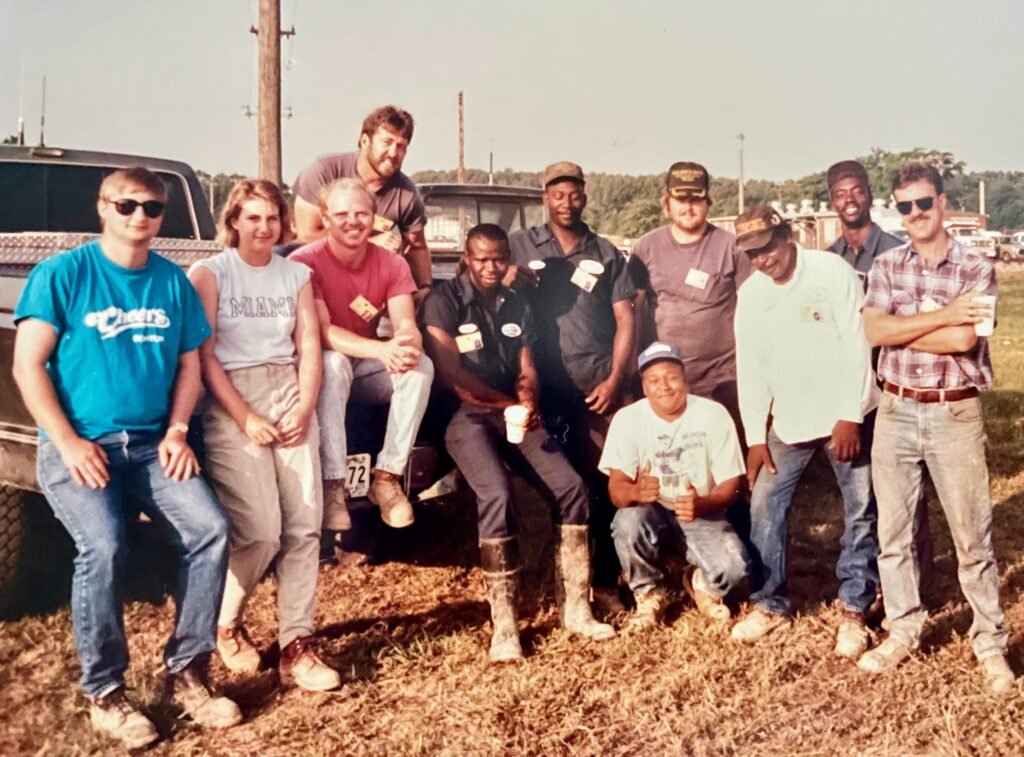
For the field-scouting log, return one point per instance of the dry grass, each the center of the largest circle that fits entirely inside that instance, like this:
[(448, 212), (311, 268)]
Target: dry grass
[(409, 637)]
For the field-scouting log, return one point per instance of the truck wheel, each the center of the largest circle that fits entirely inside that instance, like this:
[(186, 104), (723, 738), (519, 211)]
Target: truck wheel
[(13, 506)]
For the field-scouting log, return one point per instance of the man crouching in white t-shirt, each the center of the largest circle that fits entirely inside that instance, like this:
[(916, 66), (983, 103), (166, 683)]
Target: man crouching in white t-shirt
[(674, 465)]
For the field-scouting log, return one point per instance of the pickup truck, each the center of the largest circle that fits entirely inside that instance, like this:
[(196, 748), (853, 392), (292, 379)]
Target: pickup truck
[(50, 206)]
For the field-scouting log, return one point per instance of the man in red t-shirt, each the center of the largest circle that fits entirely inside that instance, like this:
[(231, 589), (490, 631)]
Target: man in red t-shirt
[(354, 284)]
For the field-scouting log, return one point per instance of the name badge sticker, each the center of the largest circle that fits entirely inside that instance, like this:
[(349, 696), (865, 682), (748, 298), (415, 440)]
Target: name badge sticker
[(928, 305), (469, 338), (511, 330), (363, 308), (380, 223), (697, 278), (585, 275)]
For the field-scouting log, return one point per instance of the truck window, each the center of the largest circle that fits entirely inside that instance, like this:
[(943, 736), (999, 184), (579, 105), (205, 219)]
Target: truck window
[(448, 221), (52, 197), (505, 214)]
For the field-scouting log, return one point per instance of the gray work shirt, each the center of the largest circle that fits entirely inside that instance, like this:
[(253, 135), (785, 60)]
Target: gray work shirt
[(398, 201), (877, 242), (575, 328), (691, 289)]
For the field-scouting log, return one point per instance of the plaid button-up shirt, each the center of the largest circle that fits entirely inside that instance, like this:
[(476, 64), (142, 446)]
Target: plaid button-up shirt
[(900, 283)]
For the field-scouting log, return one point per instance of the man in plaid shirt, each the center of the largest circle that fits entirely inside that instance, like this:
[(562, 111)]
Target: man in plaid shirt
[(920, 310)]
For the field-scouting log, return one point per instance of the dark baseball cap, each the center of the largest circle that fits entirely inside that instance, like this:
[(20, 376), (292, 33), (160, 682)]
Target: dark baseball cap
[(658, 351), (754, 227), (687, 180), (844, 169), (563, 169)]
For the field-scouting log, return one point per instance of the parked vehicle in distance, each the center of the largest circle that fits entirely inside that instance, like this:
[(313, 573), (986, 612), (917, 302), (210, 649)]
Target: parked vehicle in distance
[(976, 239), (1008, 249)]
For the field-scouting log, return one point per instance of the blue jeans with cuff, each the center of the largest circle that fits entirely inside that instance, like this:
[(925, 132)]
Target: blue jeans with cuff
[(770, 500), (95, 519)]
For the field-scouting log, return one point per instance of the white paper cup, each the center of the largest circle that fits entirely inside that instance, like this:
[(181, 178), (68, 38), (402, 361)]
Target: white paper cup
[(515, 422), (987, 326)]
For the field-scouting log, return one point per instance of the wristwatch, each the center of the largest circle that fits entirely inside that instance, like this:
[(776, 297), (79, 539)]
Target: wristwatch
[(179, 426)]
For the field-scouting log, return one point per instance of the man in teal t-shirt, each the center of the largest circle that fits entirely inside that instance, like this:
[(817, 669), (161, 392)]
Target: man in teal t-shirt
[(106, 358)]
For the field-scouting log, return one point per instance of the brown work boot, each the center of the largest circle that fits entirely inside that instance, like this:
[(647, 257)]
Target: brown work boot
[(387, 494), (190, 690), (572, 584), (300, 666), (500, 561), (116, 716), (236, 650), (336, 517), (649, 610), (709, 606)]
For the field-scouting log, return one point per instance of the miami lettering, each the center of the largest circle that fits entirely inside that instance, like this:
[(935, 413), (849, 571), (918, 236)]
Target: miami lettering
[(261, 307)]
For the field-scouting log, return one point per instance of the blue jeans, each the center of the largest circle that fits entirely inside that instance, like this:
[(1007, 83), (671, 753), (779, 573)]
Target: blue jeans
[(857, 569), (95, 518), (949, 438), (643, 532)]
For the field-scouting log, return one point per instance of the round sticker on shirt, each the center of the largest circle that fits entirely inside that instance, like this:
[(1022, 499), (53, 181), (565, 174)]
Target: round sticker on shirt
[(468, 328), (592, 267), (511, 330), (537, 265)]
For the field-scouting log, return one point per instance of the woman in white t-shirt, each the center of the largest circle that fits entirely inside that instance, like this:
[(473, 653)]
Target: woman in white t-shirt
[(262, 367)]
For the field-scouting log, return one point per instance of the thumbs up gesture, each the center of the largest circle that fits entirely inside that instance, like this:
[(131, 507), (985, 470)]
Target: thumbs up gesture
[(686, 504), (648, 487)]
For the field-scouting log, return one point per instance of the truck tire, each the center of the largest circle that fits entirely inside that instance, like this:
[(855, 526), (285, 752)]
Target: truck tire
[(14, 504)]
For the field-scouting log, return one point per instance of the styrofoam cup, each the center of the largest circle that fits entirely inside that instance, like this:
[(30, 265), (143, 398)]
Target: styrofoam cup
[(515, 422), (987, 326)]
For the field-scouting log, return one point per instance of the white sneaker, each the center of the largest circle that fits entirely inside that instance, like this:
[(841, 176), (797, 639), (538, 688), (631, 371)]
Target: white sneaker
[(336, 517), (884, 657), (999, 681), (757, 625), (851, 638)]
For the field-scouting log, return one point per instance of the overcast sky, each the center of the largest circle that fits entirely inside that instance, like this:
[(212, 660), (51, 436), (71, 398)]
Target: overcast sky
[(618, 86)]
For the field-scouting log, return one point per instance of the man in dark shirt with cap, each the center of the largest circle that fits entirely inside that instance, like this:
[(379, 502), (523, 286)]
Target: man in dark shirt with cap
[(862, 240), (688, 272), (583, 294), (481, 336)]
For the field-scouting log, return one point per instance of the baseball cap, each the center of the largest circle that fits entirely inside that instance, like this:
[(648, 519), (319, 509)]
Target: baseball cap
[(687, 180), (754, 227), (658, 351), (563, 169), (843, 169)]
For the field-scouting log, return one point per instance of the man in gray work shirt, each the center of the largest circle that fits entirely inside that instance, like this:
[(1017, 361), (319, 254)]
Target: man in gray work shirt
[(688, 272)]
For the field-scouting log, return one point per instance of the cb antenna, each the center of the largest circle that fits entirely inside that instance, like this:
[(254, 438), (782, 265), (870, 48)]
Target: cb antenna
[(42, 118)]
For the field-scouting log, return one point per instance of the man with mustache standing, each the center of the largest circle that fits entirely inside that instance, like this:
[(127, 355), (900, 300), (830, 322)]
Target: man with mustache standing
[(400, 218)]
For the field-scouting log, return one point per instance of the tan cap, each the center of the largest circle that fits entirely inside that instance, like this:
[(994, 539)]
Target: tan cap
[(562, 170), (754, 227)]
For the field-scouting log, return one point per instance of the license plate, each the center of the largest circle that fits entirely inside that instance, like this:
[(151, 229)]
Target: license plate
[(358, 479)]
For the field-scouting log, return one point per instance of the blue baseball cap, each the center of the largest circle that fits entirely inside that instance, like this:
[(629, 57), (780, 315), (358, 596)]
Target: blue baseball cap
[(658, 351)]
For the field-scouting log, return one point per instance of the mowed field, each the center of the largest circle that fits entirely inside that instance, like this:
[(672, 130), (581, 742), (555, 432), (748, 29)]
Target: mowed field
[(410, 635)]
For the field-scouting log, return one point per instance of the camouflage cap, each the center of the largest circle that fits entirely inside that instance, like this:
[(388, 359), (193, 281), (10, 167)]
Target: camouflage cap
[(563, 169)]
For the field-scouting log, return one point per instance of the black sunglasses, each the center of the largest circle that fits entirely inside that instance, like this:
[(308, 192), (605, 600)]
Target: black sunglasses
[(923, 204), (152, 208)]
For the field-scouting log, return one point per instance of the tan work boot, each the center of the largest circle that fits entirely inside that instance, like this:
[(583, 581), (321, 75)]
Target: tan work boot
[(757, 625), (851, 637), (999, 680), (886, 656), (386, 493), (649, 608), (709, 606), (572, 584), (336, 517), (236, 650), (300, 666), (499, 559), (116, 716), (190, 690)]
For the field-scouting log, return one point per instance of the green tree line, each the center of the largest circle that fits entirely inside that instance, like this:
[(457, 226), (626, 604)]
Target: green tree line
[(631, 205)]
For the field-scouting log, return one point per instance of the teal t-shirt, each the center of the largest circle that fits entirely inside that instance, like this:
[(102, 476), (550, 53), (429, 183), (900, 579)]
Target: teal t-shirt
[(119, 334)]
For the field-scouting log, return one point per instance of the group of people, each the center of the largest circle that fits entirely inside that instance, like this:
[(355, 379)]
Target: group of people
[(750, 353)]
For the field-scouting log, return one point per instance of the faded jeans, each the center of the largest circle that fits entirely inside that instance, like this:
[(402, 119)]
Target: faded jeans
[(95, 519), (643, 533), (368, 381), (770, 501), (949, 438)]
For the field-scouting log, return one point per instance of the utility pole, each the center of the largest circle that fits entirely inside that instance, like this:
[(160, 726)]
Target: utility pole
[(269, 36), (462, 144), (740, 137)]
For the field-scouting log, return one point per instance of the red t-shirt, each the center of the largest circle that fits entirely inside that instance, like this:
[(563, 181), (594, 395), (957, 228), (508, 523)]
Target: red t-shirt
[(356, 297)]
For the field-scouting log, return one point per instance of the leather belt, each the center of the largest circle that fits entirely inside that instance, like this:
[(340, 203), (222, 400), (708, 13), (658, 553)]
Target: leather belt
[(931, 395)]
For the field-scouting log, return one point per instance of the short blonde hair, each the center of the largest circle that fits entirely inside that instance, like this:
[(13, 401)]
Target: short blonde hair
[(348, 184), (241, 193)]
